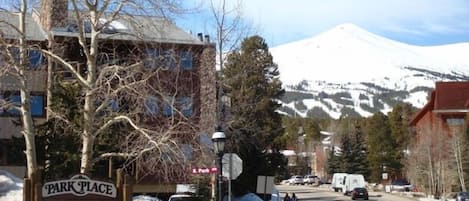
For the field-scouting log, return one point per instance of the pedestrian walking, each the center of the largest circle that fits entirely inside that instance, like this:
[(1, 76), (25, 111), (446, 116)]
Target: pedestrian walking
[(287, 197), (293, 197)]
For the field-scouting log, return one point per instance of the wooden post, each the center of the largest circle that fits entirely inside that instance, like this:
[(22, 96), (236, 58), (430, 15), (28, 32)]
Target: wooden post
[(119, 183), (127, 188), (127, 192), (110, 168), (38, 192), (27, 189)]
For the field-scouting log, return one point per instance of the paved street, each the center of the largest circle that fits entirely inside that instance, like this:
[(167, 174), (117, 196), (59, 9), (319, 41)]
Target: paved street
[(315, 193)]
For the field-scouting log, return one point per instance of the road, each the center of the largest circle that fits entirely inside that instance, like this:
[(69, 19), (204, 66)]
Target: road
[(324, 194)]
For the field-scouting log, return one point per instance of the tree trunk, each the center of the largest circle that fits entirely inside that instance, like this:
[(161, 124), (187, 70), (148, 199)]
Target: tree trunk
[(90, 100), (28, 128)]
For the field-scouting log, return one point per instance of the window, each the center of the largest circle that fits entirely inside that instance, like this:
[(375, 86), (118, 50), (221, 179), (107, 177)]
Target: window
[(186, 60), (169, 59), (455, 121), (151, 58), (168, 108), (151, 105), (185, 104), (114, 105), (35, 57), (37, 105)]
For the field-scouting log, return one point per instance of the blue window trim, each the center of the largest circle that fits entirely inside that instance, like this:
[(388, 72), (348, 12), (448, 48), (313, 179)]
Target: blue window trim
[(37, 105)]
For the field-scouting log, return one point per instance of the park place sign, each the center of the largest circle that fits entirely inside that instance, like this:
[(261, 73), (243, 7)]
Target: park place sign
[(79, 185)]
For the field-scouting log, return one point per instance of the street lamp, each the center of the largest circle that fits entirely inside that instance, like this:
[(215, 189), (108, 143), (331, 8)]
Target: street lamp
[(218, 139)]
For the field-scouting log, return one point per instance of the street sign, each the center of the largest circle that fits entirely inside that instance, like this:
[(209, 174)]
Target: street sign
[(265, 184), (232, 165), (196, 170)]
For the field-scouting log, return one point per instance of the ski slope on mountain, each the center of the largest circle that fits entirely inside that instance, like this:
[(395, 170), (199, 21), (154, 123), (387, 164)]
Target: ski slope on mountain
[(349, 59)]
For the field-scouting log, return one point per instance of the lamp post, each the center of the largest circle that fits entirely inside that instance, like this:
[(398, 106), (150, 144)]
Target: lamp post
[(218, 139)]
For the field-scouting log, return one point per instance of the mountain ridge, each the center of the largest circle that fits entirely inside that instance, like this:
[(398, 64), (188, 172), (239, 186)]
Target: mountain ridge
[(348, 71)]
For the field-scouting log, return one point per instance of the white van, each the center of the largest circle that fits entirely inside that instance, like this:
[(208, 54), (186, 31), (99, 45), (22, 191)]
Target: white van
[(337, 183), (352, 181)]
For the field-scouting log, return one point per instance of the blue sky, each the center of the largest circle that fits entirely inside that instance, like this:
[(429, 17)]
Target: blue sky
[(417, 22)]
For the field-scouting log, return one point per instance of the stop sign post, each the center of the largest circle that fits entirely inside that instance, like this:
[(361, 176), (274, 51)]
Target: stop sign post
[(232, 165)]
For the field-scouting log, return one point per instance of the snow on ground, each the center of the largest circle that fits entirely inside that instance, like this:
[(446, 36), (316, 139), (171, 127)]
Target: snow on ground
[(11, 187)]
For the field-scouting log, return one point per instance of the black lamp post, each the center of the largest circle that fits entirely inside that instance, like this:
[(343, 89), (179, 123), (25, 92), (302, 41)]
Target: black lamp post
[(218, 139)]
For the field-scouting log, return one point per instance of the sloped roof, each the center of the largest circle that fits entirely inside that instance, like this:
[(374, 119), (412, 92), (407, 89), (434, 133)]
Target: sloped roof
[(127, 27), (447, 96), (138, 28), (451, 95), (8, 20)]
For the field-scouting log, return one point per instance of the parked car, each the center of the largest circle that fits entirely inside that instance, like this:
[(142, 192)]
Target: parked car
[(310, 179), (359, 193), (401, 185), (462, 196), (145, 198), (183, 197), (296, 180)]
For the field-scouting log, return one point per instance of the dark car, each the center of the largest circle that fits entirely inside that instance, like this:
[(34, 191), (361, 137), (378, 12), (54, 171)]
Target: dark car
[(462, 196), (359, 193)]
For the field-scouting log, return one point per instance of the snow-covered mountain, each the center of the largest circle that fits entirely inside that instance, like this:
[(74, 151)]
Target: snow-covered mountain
[(352, 72)]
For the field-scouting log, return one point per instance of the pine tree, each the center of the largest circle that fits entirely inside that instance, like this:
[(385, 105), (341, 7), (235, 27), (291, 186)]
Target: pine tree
[(333, 162), (252, 77), (399, 119), (379, 144)]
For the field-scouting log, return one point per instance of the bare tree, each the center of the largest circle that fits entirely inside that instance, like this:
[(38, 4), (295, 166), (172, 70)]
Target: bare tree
[(458, 148), (147, 101), (15, 65), (429, 163)]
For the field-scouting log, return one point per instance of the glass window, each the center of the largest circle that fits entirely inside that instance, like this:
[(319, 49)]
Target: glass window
[(151, 58), (169, 59), (151, 105), (186, 60), (186, 106), (168, 108), (455, 121), (37, 105), (35, 58), (114, 105)]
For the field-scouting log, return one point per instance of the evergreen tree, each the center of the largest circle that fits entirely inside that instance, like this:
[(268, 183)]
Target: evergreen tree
[(333, 162), (399, 119), (360, 165), (252, 77), (381, 146)]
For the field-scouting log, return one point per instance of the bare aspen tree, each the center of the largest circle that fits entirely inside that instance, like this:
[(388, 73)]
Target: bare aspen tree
[(127, 81), (15, 65), (146, 103), (429, 162), (458, 148)]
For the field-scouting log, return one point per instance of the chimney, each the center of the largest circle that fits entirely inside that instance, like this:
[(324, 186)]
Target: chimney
[(53, 13), (207, 39), (199, 36)]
